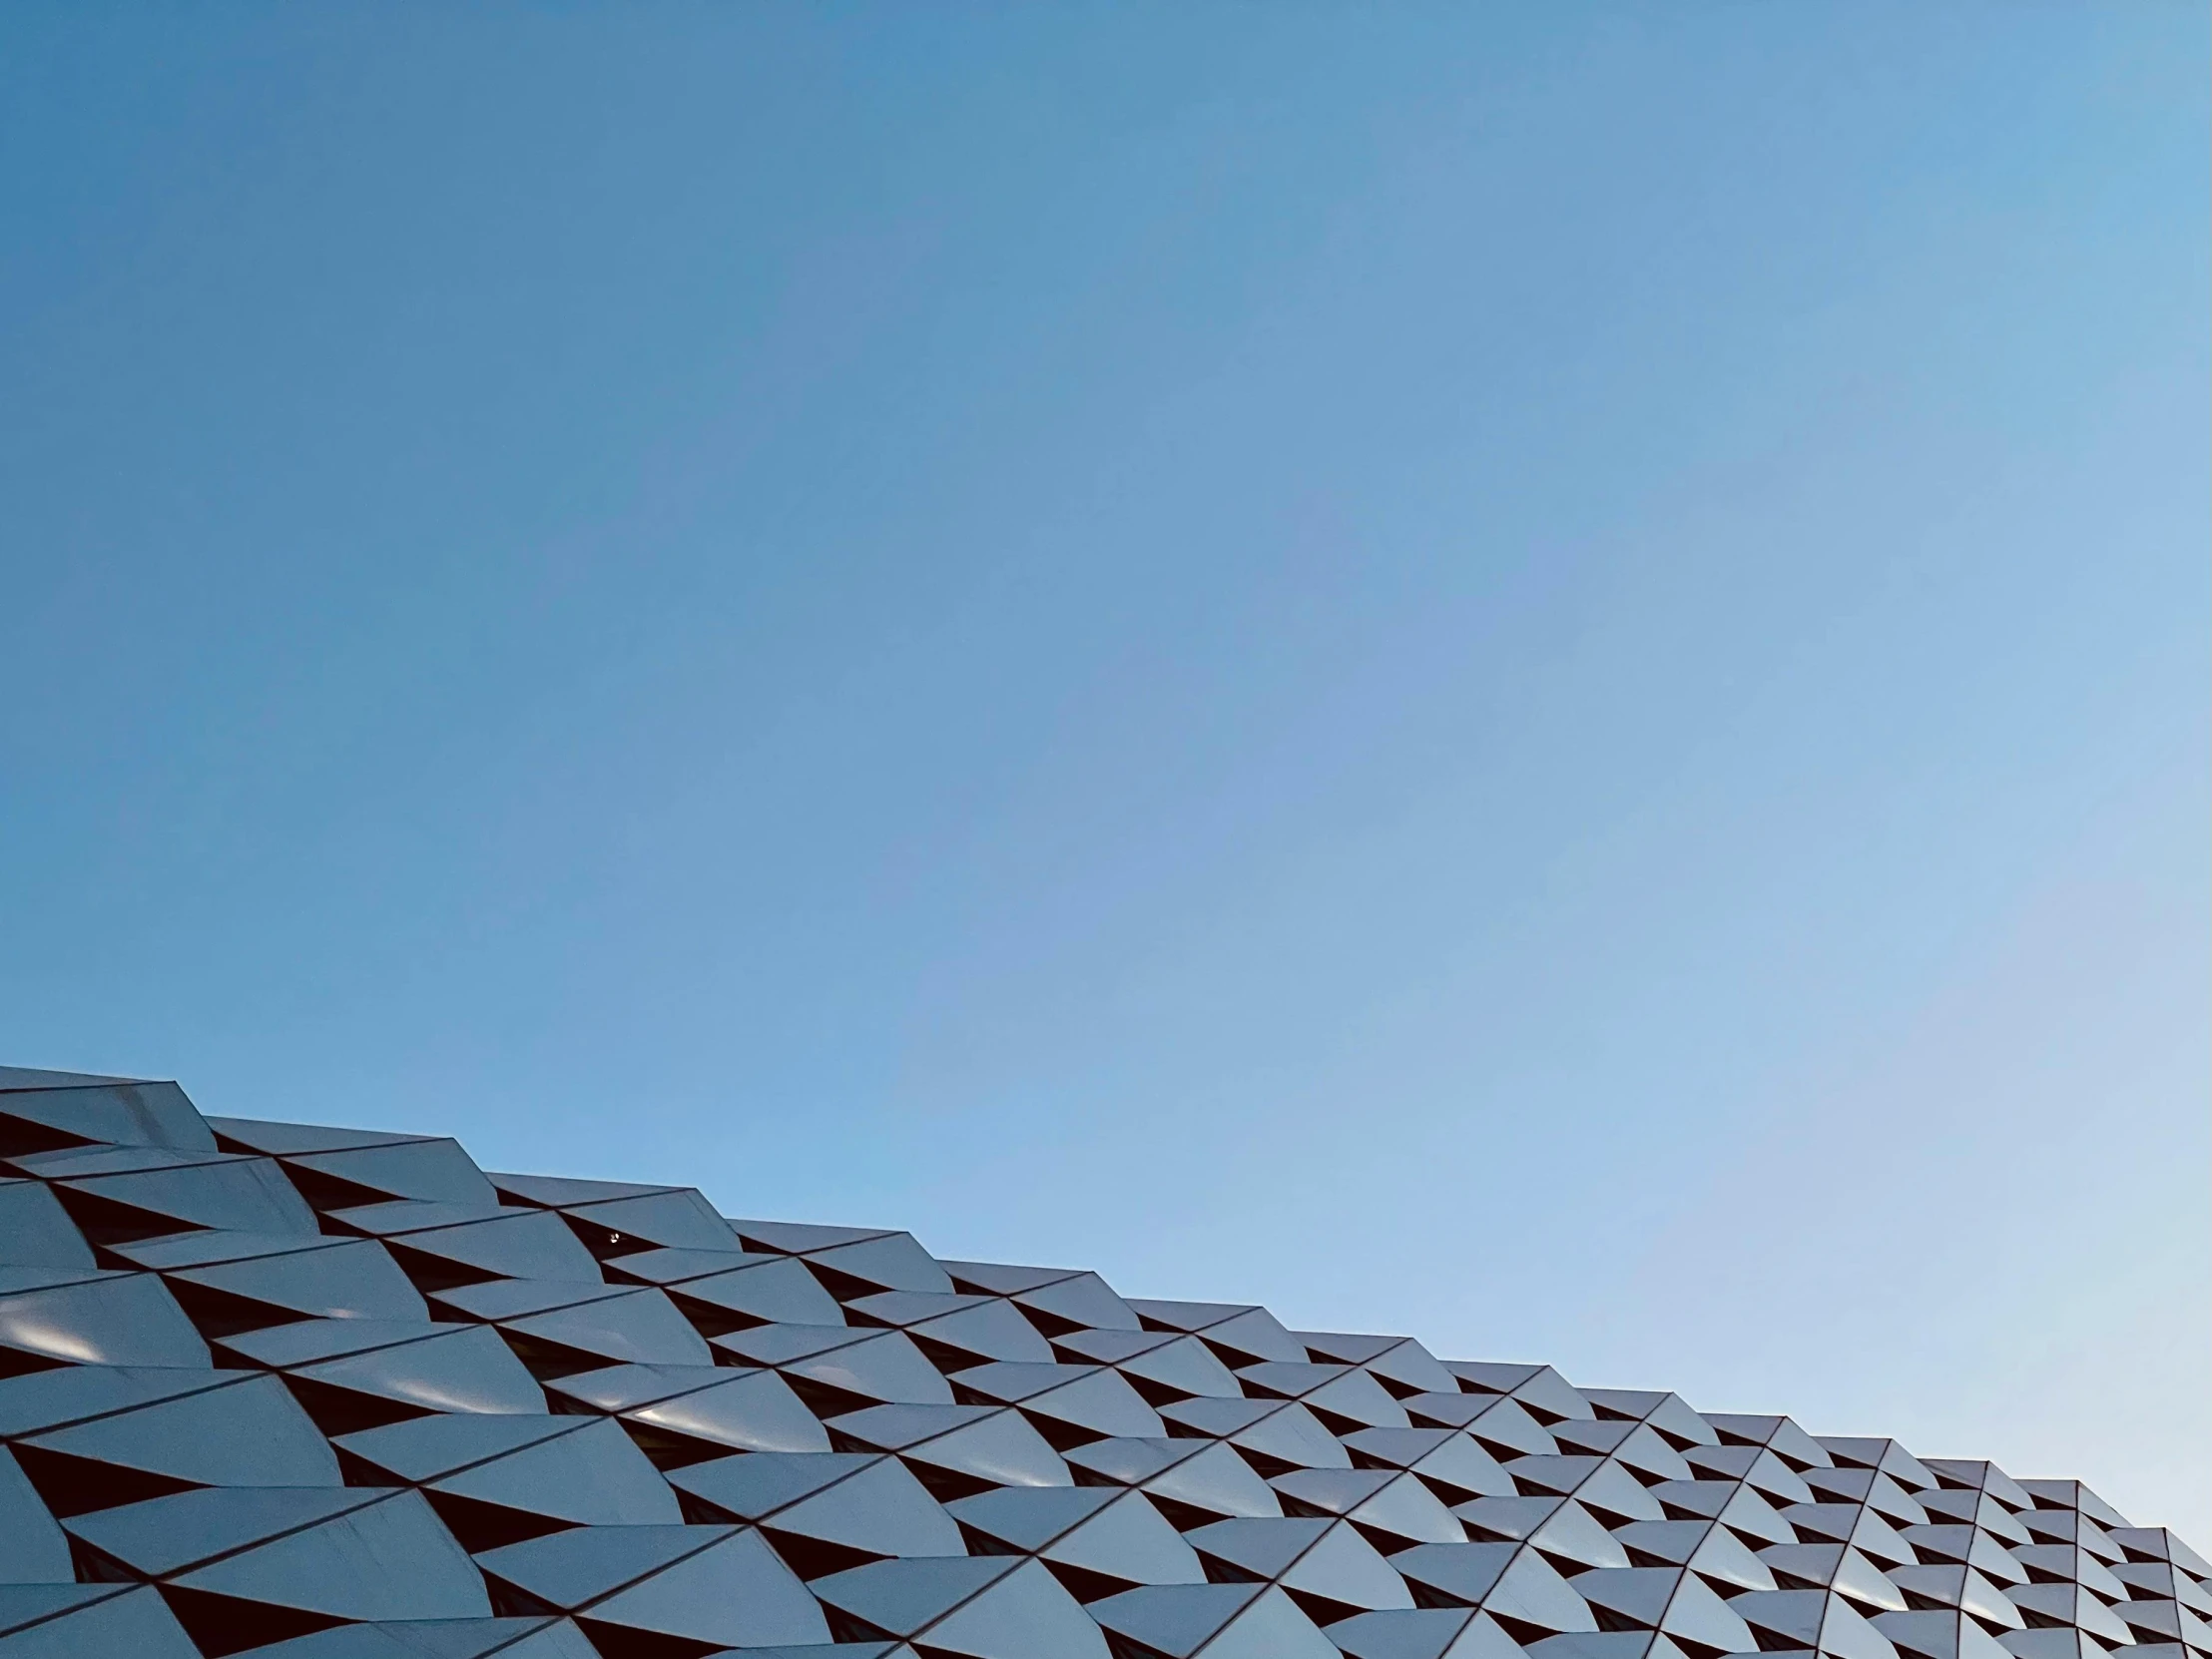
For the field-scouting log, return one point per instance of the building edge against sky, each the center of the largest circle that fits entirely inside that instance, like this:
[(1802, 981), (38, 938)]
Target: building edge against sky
[(320, 1393)]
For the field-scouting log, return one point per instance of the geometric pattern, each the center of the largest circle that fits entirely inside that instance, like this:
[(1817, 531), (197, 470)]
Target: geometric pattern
[(320, 1393)]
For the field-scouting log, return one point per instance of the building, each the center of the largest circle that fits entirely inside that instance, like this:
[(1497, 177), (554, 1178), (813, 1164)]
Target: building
[(320, 1393)]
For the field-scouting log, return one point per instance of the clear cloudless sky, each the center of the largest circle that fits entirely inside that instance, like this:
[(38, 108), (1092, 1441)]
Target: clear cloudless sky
[(1529, 673)]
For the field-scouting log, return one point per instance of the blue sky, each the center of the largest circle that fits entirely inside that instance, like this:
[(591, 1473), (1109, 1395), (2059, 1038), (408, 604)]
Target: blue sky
[(1531, 674)]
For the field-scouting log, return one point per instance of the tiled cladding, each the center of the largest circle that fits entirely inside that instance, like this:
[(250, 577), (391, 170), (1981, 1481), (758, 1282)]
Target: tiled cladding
[(319, 1394)]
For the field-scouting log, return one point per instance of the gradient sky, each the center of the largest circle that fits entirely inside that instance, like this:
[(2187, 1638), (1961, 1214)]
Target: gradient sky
[(1533, 674)]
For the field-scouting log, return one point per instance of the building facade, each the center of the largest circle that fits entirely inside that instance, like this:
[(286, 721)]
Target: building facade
[(319, 1393)]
